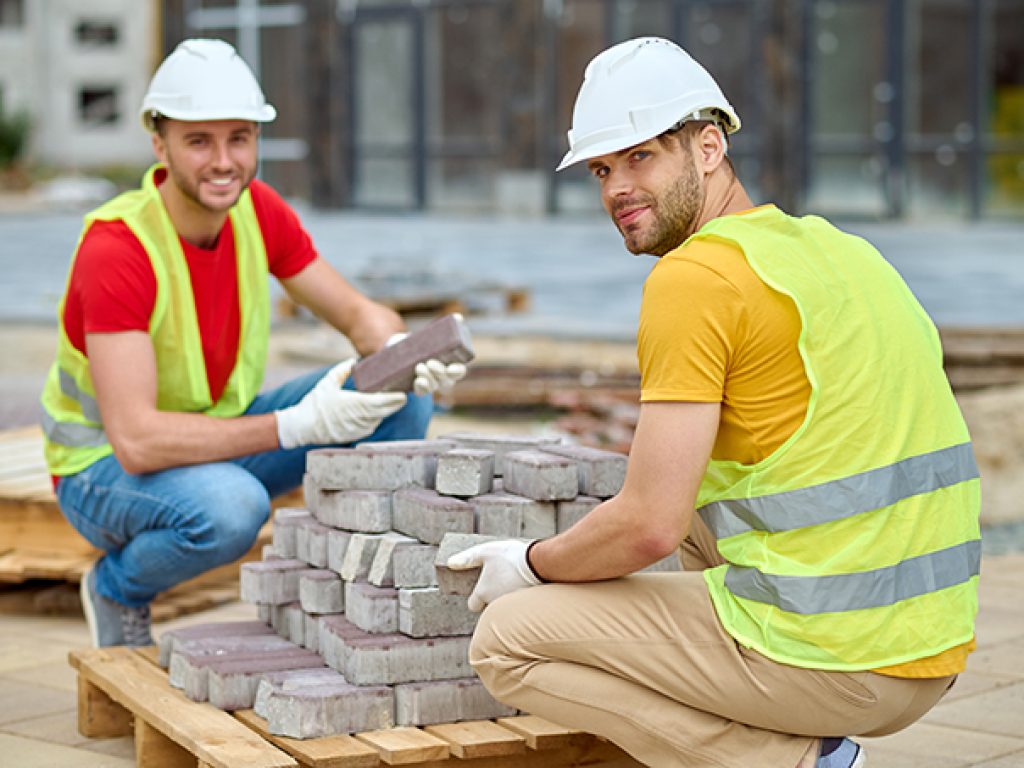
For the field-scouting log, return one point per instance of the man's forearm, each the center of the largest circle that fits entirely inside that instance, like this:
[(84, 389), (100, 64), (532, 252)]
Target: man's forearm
[(164, 439)]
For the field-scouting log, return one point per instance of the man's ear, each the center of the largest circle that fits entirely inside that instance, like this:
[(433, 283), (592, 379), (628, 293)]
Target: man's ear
[(711, 148), (159, 147)]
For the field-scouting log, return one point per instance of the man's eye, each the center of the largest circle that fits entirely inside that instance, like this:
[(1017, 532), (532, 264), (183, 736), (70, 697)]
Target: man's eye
[(600, 173), (642, 154)]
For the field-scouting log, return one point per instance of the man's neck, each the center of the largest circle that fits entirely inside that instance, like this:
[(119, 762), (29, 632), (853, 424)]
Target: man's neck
[(724, 195), (193, 223)]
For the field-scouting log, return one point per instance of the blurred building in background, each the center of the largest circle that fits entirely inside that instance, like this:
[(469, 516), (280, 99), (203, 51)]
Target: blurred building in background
[(79, 71), (872, 108)]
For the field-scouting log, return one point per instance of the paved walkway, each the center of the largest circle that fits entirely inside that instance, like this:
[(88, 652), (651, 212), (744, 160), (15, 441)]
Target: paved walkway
[(979, 724)]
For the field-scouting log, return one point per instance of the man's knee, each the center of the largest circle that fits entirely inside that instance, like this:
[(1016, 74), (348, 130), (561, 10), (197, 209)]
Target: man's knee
[(227, 519)]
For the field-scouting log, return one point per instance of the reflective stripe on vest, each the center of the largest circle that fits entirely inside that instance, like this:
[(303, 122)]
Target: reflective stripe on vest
[(72, 433), (855, 591), (839, 499)]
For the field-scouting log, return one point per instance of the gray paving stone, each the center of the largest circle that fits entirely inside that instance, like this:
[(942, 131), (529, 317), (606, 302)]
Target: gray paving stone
[(444, 701), (321, 592), (337, 546), (372, 609), (500, 445), (232, 684), (170, 639), (350, 469), (269, 681), (190, 662), (571, 512), (541, 476), (365, 511), (397, 658), (465, 472), (271, 581), (457, 582), (427, 516), (311, 543), (312, 710), (601, 473), (311, 633), (427, 612), (413, 566), (382, 569), (508, 515), (359, 556), (392, 368), (285, 530)]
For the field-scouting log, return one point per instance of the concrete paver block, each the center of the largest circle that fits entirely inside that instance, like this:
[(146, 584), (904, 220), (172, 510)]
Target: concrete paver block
[(392, 369), (372, 609), (337, 546), (190, 661), (359, 556), (413, 566), (427, 515), (321, 592), (170, 639), (270, 681), (457, 582), (601, 473), (311, 543), (365, 511), (311, 631), (232, 684), (465, 472), (499, 445), (508, 515), (351, 469), (285, 531), (397, 658), (312, 710), (271, 581), (571, 512), (287, 619), (540, 475), (382, 570), (445, 701), (428, 612)]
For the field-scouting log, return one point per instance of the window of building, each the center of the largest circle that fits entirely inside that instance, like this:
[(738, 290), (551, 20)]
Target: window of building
[(95, 34), (98, 106), (12, 13)]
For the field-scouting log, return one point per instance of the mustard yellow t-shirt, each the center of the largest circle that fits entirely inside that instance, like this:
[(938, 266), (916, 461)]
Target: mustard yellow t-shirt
[(712, 331)]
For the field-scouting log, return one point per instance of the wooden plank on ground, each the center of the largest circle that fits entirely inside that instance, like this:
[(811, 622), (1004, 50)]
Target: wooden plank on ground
[(326, 752), (542, 734), (20, 565), (405, 746), (478, 738), (212, 736)]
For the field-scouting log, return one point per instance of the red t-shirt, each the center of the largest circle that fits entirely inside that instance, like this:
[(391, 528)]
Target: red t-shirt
[(113, 288)]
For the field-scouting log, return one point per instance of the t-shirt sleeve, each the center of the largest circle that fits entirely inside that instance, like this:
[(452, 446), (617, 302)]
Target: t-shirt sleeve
[(112, 282), (289, 247), (690, 318)]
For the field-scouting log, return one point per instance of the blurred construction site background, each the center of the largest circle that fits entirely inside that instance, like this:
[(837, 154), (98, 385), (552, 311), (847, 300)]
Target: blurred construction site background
[(880, 109)]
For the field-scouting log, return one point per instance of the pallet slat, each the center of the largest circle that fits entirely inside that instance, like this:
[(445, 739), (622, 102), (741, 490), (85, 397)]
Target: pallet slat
[(540, 733), (478, 738), (404, 746), (326, 752), (211, 736)]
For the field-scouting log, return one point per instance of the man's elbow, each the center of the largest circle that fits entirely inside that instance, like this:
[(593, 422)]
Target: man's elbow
[(656, 545), (131, 454)]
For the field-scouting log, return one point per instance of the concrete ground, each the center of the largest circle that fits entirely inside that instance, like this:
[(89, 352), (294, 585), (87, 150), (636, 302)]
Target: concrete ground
[(979, 724)]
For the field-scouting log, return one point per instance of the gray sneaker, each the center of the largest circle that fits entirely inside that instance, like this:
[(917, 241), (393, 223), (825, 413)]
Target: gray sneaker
[(848, 754), (111, 623)]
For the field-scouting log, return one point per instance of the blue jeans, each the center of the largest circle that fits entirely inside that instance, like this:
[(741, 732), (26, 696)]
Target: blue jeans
[(162, 528)]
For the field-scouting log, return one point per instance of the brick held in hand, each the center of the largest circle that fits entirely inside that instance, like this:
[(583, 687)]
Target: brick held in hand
[(393, 369)]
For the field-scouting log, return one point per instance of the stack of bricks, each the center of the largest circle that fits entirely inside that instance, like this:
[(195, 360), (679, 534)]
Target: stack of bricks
[(351, 583)]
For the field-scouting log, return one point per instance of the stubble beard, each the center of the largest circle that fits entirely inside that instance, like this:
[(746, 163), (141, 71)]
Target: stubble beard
[(674, 214), (189, 188)]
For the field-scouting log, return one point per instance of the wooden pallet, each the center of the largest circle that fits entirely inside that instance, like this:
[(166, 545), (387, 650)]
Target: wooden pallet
[(37, 542), (122, 690)]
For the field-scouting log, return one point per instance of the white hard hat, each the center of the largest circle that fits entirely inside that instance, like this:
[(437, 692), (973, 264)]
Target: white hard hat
[(205, 80), (637, 90)]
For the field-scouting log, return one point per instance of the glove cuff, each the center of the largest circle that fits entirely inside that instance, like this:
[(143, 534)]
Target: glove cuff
[(529, 565)]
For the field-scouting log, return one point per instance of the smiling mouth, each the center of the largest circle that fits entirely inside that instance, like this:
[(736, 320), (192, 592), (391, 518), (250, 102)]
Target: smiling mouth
[(628, 216)]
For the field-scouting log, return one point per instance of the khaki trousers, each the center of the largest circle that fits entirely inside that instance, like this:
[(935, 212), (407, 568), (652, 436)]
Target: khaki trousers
[(644, 662)]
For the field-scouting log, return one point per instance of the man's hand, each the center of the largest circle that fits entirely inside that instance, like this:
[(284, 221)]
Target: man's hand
[(504, 569), (329, 414)]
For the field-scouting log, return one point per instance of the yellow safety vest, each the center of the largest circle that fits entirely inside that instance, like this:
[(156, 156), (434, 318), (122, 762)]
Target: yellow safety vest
[(73, 429), (856, 544)]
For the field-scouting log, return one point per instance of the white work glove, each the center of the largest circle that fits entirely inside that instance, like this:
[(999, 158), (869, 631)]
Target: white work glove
[(432, 375), (329, 414), (503, 567)]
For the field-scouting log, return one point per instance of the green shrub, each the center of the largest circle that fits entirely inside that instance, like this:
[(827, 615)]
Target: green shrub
[(13, 138)]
